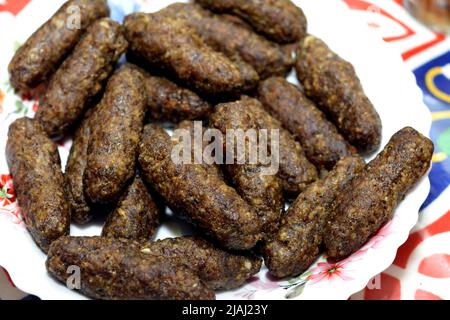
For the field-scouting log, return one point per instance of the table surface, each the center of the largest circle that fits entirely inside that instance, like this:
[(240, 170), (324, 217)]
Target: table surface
[(421, 269)]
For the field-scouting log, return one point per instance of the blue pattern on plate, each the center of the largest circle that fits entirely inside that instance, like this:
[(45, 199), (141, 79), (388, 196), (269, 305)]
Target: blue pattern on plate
[(121, 8), (440, 173)]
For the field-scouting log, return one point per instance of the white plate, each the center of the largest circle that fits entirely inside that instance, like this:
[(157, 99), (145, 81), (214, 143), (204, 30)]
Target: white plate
[(387, 82)]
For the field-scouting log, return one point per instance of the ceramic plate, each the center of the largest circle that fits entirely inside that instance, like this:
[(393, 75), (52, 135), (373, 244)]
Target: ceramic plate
[(389, 85)]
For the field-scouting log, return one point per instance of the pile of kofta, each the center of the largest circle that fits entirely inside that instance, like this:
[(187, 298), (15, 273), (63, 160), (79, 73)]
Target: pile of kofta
[(223, 62)]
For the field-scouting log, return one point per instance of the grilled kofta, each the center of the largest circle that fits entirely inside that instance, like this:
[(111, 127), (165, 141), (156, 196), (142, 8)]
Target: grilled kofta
[(235, 41), (34, 162), (167, 101), (218, 268), (75, 169), (369, 200), (332, 83), (279, 20), (81, 76), (205, 199), (295, 246), (197, 136), (46, 48), (115, 137), (120, 269), (251, 176), (171, 44), (295, 171), (136, 215), (320, 139)]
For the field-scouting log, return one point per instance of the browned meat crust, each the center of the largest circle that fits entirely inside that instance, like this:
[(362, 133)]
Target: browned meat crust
[(204, 198), (236, 20), (369, 200), (333, 84), (34, 162), (171, 44), (322, 143), (49, 45), (264, 192), (74, 173), (198, 149), (235, 41), (81, 76), (297, 243), (136, 216), (279, 20), (219, 269), (167, 101), (115, 137), (295, 171), (119, 269)]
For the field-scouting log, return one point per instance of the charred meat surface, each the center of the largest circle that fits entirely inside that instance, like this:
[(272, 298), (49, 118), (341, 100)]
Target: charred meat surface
[(136, 216), (369, 200), (170, 43), (81, 76), (236, 41), (114, 140), (204, 198), (332, 83), (34, 162), (297, 243), (320, 139), (45, 49), (279, 20), (120, 269), (218, 268)]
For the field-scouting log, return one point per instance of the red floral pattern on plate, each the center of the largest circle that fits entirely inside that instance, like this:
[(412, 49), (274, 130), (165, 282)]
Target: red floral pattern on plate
[(2, 98), (7, 194), (8, 203)]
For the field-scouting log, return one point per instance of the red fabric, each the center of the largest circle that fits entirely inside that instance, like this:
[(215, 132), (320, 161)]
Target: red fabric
[(390, 289), (425, 295), (404, 252), (7, 276), (436, 266), (365, 5), (14, 6)]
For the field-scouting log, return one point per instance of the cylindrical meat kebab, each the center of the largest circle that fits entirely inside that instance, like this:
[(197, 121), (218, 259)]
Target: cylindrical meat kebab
[(205, 199), (297, 243), (167, 101), (120, 269), (34, 162), (45, 49), (115, 137), (136, 215), (332, 83), (320, 139), (81, 76), (369, 200), (171, 44), (279, 20), (235, 41), (262, 189)]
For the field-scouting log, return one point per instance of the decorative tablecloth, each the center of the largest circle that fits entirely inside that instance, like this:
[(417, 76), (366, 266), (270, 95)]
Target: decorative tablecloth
[(421, 269)]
